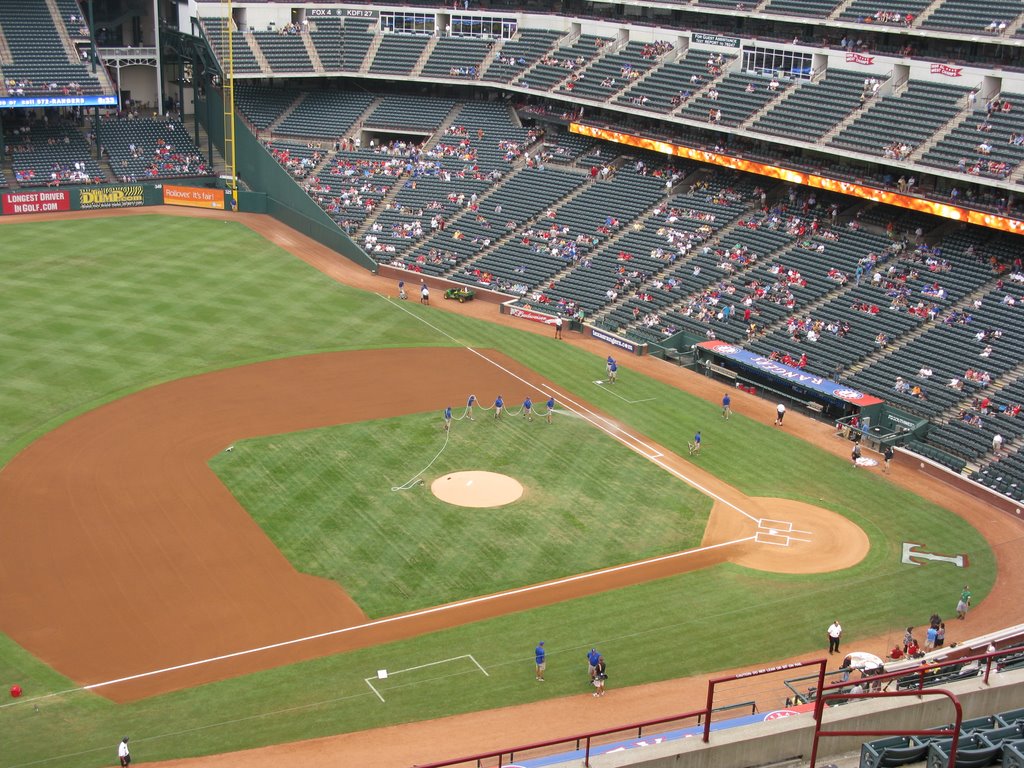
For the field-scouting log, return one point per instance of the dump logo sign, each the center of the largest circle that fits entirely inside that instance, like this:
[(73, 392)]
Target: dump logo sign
[(110, 197)]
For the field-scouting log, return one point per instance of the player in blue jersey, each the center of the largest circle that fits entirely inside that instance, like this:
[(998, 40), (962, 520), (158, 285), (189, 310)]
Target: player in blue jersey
[(695, 445)]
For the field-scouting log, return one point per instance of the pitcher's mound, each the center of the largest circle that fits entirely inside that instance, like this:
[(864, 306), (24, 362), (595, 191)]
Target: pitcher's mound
[(477, 489)]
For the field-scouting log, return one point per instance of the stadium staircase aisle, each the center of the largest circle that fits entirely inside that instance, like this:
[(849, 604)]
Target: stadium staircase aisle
[(624, 95), (62, 30), (523, 194), (925, 14), (371, 52), (492, 54), (893, 348), (964, 115), (588, 286), (217, 163), (841, 9), (272, 128), (526, 46), (647, 223), (261, 58), (770, 105), (705, 86), (436, 138), (534, 221), (531, 67), (608, 49), (311, 51), (692, 206), (851, 117), (425, 54)]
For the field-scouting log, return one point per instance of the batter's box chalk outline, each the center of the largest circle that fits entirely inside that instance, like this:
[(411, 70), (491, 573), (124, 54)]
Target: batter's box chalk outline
[(775, 525), (774, 539), (384, 674)]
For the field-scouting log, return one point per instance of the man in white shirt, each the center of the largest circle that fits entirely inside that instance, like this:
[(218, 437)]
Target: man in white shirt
[(780, 413), (835, 631), (122, 753)]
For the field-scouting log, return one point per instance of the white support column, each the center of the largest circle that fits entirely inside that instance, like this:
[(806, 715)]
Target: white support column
[(159, 69)]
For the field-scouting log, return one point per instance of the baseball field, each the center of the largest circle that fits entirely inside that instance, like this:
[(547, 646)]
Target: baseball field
[(214, 537)]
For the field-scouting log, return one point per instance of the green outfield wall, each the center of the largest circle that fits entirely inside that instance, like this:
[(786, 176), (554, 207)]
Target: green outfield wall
[(284, 199)]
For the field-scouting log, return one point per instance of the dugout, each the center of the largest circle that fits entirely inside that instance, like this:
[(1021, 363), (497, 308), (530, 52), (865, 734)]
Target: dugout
[(762, 375)]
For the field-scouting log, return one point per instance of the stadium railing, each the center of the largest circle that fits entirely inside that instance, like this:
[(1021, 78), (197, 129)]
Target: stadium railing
[(585, 742)]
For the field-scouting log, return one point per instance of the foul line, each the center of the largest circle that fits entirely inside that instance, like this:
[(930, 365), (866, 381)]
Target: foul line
[(637, 445), (651, 454), (389, 620)]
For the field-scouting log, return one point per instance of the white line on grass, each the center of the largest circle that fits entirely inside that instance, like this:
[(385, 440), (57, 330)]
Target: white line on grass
[(390, 620), (608, 427), (424, 666), (600, 383), (619, 434)]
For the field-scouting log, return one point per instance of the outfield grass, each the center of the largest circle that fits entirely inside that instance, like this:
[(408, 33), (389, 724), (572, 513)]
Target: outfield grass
[(154, 299), (324, 497)]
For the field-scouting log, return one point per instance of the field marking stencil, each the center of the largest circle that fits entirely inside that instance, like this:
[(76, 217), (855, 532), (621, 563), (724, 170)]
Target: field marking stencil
[(602, 382), (386, 674)]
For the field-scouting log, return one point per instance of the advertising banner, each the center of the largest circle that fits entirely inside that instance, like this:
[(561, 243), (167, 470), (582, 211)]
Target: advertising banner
[(615, 341), (111, 197), (933, 207), (41, 102), (789, 374), (529, 314), (194, 197), (38, 201)]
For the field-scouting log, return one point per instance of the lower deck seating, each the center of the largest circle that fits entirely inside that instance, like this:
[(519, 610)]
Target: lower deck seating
[(143, 149), (53, 156)]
